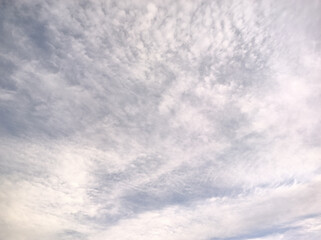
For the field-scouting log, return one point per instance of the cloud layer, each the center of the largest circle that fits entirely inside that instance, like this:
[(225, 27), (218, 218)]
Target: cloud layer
[(160, 120)]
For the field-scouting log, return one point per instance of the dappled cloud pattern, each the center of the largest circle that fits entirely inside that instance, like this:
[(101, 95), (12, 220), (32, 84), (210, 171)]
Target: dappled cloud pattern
[(177, 120)]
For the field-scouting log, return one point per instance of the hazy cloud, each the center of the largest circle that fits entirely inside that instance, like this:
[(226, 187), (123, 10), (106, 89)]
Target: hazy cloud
[(160, 120)]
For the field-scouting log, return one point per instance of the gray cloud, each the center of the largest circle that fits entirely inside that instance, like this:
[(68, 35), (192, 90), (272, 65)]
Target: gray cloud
[(159, 120)]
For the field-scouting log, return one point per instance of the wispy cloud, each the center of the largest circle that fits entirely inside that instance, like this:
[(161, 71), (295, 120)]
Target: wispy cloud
[(160, 120)]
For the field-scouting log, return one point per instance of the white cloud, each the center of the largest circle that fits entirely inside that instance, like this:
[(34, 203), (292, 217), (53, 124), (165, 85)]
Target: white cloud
[(223, 218), (176, 120)]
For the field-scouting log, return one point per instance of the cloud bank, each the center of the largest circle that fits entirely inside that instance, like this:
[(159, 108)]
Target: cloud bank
[(160, 120)]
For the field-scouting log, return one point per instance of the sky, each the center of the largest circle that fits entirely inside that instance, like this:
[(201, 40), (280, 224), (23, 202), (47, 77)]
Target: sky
[(153, 120)]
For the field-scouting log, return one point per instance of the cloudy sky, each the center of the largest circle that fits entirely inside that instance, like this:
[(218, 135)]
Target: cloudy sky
[(153, 120)]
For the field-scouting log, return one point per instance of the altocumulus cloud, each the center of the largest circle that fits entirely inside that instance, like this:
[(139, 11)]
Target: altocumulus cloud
[(178, 120)]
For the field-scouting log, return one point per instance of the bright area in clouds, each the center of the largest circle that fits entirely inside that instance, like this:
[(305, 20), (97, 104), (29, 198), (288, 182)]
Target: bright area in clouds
[(177, 120)]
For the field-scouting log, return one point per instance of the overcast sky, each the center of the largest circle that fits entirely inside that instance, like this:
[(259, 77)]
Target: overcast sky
[(160, 120)]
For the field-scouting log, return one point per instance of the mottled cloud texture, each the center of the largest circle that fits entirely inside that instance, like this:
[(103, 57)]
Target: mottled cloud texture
[(153, 120)]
